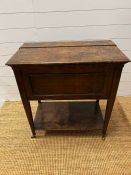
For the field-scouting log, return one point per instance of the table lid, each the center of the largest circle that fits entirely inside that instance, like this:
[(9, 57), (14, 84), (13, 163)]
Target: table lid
[(69, 52)]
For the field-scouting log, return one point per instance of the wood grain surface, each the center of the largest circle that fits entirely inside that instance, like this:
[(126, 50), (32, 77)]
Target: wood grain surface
[(66, 71), (68, 116), (68, 52)]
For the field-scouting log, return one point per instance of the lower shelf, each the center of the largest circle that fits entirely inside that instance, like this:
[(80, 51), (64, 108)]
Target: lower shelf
[(68, 116)]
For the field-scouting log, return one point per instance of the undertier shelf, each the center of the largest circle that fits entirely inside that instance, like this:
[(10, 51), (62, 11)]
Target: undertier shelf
[(68, 116)]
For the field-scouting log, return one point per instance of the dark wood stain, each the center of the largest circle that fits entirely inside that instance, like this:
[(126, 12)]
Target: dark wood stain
[(67, 53), (66, 71), (68, 116)]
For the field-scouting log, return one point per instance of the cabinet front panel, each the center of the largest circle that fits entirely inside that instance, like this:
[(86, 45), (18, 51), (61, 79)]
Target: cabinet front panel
[(49, 84), (57, 85)]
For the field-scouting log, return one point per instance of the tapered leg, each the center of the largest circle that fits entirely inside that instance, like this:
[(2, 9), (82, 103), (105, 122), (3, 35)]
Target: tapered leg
[(96, 106), (97, 101), (111, 100), (28, 111), (26, 103), (39, 101), (109, 107)]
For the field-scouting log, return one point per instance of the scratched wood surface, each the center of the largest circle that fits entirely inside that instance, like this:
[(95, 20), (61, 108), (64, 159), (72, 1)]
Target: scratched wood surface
[(68, 52), (68, 116)]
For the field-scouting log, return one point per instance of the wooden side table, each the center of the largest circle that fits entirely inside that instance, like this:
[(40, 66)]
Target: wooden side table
[(68, 71)]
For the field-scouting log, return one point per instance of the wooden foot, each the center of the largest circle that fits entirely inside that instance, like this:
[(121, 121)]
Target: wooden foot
[(33, 136), (39, 101), (104, 138)]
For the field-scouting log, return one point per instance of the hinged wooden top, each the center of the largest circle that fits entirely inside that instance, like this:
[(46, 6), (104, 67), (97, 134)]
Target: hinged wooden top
[(67, 52)]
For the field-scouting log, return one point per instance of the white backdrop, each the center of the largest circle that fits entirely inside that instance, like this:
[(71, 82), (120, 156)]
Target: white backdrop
[(51, 20)]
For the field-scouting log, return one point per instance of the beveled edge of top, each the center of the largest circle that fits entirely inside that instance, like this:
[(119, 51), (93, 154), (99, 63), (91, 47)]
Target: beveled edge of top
[(85, 43), (68, 44)]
